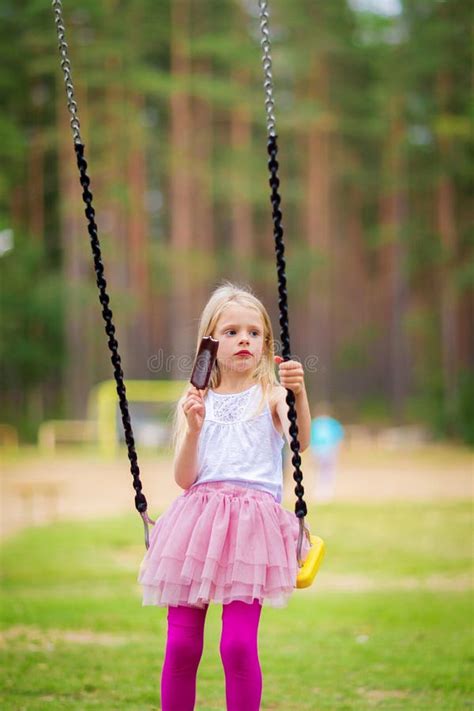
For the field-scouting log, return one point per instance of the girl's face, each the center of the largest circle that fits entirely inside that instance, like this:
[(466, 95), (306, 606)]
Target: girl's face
[(239, 328)]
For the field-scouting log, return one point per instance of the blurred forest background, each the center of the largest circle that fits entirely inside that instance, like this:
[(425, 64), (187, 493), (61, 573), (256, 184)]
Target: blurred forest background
[(372, 108)]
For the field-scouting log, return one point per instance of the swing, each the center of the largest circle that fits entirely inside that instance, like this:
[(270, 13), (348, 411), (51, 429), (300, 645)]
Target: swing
[(308, 568)]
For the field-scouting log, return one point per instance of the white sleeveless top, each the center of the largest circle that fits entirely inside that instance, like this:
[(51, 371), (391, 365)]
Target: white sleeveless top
[(237, 446)]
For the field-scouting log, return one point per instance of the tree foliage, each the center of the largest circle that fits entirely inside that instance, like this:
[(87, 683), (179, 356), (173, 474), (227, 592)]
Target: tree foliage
[(376, 162)]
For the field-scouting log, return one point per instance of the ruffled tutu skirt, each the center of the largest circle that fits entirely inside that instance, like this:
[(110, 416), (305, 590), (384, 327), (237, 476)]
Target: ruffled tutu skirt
[(222, 542)]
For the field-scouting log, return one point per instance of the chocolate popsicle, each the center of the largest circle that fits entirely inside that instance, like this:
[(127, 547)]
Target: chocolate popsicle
[(204, 361)]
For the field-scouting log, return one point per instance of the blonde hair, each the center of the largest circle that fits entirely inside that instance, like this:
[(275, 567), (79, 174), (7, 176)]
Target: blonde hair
[(222, 297)]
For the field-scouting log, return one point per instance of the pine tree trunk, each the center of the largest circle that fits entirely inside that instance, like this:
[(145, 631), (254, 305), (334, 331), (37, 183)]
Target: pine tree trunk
[(35, 186), (392, 284), (182, 200), (352, 294), (241, 210), (148, 308), (446, 223), (201, 187), (317, 226), (75, 262)]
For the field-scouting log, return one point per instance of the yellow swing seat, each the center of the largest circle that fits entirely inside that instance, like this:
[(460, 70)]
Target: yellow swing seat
[(310, 567)]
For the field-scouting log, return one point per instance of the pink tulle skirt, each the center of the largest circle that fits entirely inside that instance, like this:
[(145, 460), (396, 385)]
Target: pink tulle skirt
[(222, 542)]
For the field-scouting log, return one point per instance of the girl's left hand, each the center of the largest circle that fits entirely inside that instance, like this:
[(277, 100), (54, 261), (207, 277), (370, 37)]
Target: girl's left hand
[(291, 374)]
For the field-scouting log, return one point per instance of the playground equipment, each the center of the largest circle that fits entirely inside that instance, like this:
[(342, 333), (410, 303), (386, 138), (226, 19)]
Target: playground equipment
[(275, 198)]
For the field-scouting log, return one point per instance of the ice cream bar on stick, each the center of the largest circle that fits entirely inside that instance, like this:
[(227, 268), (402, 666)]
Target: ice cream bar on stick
[(204, 361)]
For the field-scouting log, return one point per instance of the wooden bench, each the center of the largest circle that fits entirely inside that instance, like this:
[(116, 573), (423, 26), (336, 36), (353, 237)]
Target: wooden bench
[(53, 432)]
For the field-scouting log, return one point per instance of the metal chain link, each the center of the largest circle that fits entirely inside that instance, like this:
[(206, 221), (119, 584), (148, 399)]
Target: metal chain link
[(275, 199), (140, 500), (66, 67), (277, 216), (267, 66)]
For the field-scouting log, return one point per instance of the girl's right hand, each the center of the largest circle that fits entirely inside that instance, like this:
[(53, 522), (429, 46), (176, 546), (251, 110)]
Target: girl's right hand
[(194, 409)]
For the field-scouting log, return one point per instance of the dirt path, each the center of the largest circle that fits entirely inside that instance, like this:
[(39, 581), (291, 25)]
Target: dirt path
[(74, 485)]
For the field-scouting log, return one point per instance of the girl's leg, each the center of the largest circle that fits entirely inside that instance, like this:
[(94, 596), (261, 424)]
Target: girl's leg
[(239, 653), (183, 653)]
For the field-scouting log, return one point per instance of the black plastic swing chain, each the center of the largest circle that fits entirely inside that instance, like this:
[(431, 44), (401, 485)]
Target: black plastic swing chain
[(140, 500), (275, 198)]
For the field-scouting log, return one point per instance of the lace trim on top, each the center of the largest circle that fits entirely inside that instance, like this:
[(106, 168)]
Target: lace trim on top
[(230, 407)]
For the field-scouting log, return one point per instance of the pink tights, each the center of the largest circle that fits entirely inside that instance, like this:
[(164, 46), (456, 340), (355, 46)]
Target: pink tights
[(238, 649)]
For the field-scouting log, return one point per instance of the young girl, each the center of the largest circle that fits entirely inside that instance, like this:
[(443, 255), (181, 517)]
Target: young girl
[(227, 538)]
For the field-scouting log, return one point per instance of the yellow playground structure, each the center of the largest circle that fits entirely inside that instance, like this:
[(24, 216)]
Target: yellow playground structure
[(103, 426)]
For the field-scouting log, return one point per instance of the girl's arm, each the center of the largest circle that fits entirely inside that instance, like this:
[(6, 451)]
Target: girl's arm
[(303, 417), (291, 374), (186, 460)]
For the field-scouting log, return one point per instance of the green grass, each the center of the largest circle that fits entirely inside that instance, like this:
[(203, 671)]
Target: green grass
[(77, 637)]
